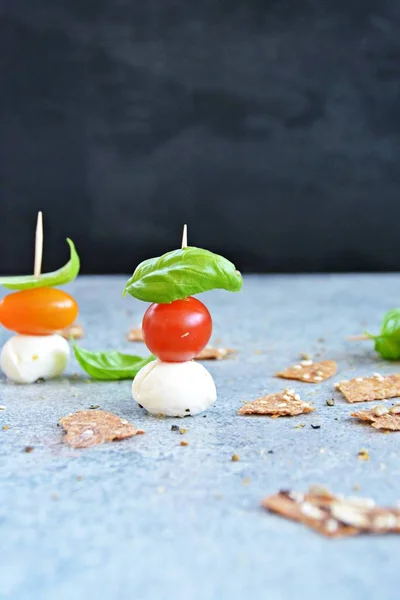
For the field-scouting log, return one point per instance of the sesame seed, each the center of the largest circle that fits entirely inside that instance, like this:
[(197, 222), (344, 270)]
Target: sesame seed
[(297, 367), (306, 363), (285, 398), (395, 410), (337, 385), (306, 376), (359, 379), (380, 410), (317, 378), (297, 397), (376, 375), (296, 496), (319, 373), (331, 526), (309, 510)]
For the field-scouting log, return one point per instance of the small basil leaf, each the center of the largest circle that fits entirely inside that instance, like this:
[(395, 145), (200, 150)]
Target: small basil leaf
[(66, 274), (387, 343), (388, 347), (182, 273), (111, 365)]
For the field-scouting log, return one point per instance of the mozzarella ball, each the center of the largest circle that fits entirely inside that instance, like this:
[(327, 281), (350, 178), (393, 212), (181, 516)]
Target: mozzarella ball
[(174, 389), (27, 358)]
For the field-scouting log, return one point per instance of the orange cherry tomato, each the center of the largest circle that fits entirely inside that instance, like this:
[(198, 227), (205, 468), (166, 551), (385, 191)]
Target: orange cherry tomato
[(40, 311)]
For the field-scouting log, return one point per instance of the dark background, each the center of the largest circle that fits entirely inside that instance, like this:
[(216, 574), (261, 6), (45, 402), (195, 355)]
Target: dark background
[(271, 127)]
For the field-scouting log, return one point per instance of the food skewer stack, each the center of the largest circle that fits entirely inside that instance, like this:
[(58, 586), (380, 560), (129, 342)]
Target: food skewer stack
[(177, 328), (36, 313)]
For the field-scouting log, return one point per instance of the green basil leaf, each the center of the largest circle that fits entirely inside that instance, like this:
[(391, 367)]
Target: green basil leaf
[(66, 274), (182, 273), (387, 343), (111, 365)]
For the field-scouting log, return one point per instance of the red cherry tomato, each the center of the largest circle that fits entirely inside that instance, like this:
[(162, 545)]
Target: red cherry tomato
[(40, 311), (178, 331)]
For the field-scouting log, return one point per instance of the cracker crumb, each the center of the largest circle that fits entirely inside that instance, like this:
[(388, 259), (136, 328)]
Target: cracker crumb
[(75, 331), (211, 353), (182, 431), (310, 372), (363, 454), (276, 405), (379, 419), (184, 443), (6, 427), (2, 407), (370, 388), (88, 428), (332, 515), (235, 457), (28, 449), (135, 334)]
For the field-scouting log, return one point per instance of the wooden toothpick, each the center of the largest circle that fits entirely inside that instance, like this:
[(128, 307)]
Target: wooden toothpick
[(184, 237), (356, 338), (37, 269)]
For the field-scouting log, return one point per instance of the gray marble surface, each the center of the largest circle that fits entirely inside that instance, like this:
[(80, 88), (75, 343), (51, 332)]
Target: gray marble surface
[(146, 518)]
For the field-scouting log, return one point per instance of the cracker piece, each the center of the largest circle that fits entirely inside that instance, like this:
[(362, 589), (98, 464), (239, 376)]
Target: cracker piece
[(211, 353), (367, 389), (76, 331), (334, 516), (389, 421), (283, 404), (91, 427), (135, 334), (309, 371)]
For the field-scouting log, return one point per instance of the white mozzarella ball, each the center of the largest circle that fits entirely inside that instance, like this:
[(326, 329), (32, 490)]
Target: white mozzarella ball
[(27, 358), (174, 389)]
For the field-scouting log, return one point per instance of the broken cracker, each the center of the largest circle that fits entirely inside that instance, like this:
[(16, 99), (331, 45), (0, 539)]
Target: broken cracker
[(309, 371), (75, 331), (283, 404), (88, 428), (388, 420), (367, 389), (211, 353), (334, 516), (135, 334)]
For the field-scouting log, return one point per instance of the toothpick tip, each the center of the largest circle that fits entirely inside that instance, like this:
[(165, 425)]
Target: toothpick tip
[(184, 236)]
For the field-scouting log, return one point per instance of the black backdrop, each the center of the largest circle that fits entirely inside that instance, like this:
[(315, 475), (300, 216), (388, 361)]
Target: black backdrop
[(271, 126)]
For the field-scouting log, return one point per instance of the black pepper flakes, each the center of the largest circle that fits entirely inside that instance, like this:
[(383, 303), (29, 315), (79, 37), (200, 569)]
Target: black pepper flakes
[(174, 428), (315, 426), (330, 402), (28, 449)]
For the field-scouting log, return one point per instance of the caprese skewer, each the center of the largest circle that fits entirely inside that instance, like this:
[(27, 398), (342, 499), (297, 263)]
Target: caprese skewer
[(37, 313)]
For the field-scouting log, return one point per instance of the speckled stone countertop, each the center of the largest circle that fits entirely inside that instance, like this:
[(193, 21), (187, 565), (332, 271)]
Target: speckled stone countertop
[(147, 518)]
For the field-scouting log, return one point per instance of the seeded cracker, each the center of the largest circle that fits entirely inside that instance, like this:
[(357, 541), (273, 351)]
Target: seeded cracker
[(91, 427), (210, 353), (367, 389), (334, 516), (388, 419), (309, 371), (135, 335), (284, 404)]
